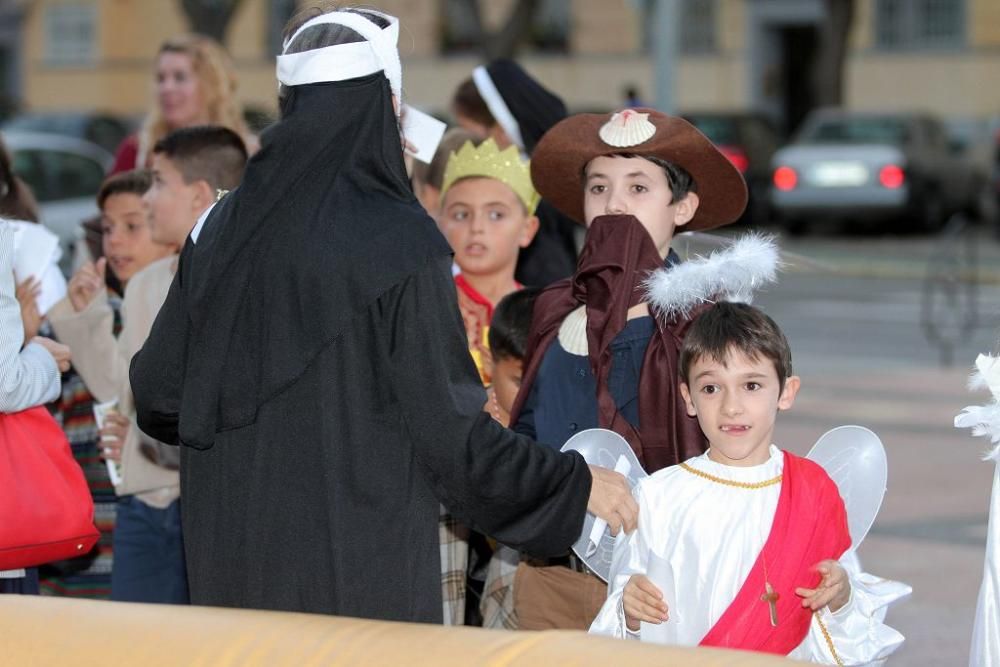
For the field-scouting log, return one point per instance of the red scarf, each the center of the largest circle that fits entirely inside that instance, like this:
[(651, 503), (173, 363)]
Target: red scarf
[(616, 259), (810, 525)]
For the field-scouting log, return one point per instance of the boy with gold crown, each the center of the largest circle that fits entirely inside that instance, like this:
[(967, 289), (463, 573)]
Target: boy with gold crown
[(487, 214)]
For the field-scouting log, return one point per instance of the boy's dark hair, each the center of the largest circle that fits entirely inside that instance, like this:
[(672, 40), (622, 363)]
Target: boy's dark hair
[(681, 181), (727, 326), (511, 323), (209, 153), (134, 182)]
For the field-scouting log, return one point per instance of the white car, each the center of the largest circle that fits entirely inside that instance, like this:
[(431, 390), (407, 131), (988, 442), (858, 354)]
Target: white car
[(874, 168), (64, 174)]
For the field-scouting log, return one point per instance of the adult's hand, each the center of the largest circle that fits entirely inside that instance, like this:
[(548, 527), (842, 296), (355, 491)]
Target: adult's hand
[(611, 499), (86, 284), (59, 352)]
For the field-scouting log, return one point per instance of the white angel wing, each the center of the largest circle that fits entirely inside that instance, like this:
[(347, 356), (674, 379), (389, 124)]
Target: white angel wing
[(601, 447), (855, 459)]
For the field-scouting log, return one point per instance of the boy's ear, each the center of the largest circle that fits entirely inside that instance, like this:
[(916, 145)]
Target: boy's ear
[(787, 398), (686, 395), (528, 234), (204, 196), (686, 208)]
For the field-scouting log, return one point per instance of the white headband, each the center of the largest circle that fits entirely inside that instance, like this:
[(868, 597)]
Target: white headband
[(494, 102), (346, 61)]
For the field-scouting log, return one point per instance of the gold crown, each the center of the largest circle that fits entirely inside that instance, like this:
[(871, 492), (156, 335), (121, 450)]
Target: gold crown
[(487, 161)]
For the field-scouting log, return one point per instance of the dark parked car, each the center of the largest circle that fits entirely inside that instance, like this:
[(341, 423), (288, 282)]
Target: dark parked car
[(104, 130), (874, 168), (749, 140)]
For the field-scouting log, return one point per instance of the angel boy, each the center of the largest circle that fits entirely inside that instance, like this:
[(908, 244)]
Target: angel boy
[(752, 536)]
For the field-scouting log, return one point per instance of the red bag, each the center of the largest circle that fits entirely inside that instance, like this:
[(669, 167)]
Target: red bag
[(46, 511)]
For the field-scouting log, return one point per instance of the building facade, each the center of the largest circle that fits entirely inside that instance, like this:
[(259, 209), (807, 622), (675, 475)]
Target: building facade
[(934, 55)]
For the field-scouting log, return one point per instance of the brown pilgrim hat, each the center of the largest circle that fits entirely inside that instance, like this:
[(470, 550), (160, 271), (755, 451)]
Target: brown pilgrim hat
[(559, 159)]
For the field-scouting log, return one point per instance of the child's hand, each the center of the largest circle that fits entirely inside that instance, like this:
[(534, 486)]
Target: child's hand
[(834, 588), (113, 436), (642, 601), (86, 283)]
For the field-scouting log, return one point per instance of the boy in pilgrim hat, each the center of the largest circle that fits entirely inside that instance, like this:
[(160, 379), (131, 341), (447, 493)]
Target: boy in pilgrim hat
[(604, 344), (488, 215)]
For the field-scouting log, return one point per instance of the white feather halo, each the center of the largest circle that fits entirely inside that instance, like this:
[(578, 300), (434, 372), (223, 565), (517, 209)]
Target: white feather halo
[(732, 274), (984, 420)]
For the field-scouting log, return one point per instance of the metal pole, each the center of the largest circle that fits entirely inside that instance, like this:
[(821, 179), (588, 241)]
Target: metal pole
[(666, 42)]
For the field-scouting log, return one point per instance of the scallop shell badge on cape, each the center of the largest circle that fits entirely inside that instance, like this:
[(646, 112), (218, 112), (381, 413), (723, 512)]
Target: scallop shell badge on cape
[(627, 128)]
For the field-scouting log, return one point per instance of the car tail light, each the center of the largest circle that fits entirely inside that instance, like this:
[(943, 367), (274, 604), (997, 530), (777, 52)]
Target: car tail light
[(891, 176), (737, 156), (785, 178)]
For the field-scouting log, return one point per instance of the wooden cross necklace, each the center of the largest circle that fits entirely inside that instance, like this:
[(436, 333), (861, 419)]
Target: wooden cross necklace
[(771, 597)]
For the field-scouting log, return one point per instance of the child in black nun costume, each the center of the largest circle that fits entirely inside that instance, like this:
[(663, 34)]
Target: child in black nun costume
[(311, 361), (502, 101)]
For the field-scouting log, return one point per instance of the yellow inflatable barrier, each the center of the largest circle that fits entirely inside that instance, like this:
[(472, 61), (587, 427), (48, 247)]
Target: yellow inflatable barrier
[(53, 631)]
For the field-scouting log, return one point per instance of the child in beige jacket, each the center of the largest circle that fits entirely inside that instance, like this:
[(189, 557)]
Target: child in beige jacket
[(190, 167)]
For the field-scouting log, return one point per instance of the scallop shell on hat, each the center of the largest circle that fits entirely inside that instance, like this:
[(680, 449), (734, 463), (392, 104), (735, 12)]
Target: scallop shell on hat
[(627, 128)]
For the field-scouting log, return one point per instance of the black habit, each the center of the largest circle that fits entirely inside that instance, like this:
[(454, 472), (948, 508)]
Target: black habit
[(311, 360)]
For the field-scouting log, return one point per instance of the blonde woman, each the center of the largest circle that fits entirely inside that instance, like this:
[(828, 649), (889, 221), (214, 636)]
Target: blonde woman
[(195, 85)]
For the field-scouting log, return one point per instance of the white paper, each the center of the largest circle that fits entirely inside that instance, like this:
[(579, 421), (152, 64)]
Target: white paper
[(53, 288), (101, 410), (622, 466), (34, 248), (661, 575), (36, 254), (424, 133)]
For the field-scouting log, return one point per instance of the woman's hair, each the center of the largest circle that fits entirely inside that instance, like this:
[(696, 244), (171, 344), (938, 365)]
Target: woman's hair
[(216, 80), (328, 34), (469, 103), (133, 182), (16, 200)]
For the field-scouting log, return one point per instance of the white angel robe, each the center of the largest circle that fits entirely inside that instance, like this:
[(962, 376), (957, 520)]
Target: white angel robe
[(986, 629), (711, 535), (985, 422)]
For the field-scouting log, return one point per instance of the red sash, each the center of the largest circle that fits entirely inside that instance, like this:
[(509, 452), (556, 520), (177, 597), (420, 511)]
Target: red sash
[(810, 525)]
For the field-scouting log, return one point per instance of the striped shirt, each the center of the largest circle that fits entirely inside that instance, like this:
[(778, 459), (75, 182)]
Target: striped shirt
[(28, 377)]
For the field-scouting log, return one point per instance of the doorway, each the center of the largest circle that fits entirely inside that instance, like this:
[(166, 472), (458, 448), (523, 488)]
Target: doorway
[(798, 57)]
